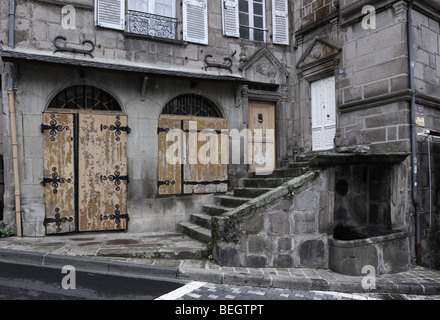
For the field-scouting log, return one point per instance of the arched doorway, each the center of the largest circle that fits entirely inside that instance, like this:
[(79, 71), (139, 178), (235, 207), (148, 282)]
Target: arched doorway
[(85, 161), (193, 140)]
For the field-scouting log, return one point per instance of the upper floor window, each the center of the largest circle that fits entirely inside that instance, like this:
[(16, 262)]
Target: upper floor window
[(155, 18), (251, 20), (246, 19)]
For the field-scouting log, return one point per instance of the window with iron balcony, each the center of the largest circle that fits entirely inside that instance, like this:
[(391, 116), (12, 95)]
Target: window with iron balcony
[(156, 18)]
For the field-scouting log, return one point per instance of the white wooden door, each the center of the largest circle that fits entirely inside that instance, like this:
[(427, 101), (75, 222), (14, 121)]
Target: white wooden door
[(323, 114)]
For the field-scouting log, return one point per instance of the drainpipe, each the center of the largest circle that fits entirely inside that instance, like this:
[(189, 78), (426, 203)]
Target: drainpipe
[(413, 131), (13, 123)]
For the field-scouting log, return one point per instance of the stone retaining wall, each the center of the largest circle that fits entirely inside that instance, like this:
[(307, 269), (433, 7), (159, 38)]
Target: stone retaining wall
[(286, 227)]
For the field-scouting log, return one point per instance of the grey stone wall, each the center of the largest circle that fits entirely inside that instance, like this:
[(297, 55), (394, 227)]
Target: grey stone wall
[(291, 230), (428, 176), (427, 78)]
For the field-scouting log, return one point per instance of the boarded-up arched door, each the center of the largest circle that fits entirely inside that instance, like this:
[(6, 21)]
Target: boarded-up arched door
[(85, 162), (193, 147)]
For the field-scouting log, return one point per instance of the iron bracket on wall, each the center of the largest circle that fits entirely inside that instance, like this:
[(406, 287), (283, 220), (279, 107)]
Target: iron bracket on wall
[(74, 50), (227, 65)]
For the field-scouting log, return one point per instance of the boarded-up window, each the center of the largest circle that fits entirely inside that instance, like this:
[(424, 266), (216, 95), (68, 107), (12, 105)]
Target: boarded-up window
[(191, 135)]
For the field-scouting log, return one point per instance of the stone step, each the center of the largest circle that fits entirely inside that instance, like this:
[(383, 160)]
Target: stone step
[(282, 173), (231, 201), (201, 219), (215, 210), (250, 192), (263, 182), (195, 231), (299, 164), (175, 246)]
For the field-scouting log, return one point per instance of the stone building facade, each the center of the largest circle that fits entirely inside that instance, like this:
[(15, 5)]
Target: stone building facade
[(366, 120), (139, 62), (365, 46)]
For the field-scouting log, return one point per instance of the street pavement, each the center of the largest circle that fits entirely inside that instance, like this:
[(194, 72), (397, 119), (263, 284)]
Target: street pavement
[(136, 254)]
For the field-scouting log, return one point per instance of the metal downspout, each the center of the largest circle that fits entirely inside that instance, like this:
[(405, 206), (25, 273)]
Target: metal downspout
[(413, 132), (13, 124)]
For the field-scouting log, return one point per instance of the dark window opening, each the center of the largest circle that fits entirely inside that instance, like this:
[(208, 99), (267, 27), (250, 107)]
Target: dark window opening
[(84, 97), (192, 105)]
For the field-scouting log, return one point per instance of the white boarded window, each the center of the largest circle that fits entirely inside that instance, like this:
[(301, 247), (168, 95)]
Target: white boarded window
[(195, 21), (110, 14), (280, 21), (323, 113)]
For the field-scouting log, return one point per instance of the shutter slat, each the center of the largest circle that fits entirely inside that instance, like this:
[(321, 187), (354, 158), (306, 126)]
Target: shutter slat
[(280, 22)]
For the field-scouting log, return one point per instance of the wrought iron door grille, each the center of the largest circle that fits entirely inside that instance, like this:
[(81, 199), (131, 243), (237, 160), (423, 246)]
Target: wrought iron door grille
[(84, 97), (152, 25), (192, 105)]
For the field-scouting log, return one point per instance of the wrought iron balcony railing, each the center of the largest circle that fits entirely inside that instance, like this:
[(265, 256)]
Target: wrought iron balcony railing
[(152, 25)]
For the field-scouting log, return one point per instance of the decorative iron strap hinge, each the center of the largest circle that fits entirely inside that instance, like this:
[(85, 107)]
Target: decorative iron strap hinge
[(166, 183), (206, 182), (117, 216), (55, 180), (53, 127), (117, 128), (166, 130), (116, 177), (57, 219)]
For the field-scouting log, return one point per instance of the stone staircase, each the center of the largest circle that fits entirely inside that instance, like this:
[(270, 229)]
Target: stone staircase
[(199, 226)]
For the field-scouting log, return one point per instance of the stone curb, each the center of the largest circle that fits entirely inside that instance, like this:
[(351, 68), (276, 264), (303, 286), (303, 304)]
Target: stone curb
[(87, 264), (216, 276)]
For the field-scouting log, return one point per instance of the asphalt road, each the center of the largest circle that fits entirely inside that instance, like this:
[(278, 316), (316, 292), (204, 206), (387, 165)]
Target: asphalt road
[(31, 282)]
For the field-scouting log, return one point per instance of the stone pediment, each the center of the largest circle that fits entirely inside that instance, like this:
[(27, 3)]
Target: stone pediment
[(318, 57), (263, 67)]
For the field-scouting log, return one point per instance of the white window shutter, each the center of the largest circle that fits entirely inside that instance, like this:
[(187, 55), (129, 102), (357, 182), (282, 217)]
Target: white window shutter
[(195, 21), (280, 21), (110, 14), (231, 25)]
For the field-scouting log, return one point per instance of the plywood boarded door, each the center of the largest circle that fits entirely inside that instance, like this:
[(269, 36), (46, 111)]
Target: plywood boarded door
[(206, 164), (102, 172), (170, 155), (262, 127), (190, 155), (58, 171)]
